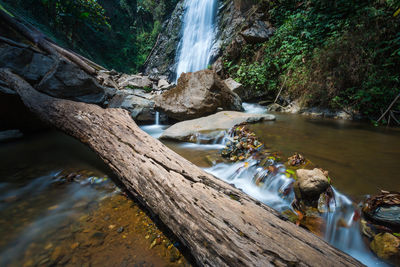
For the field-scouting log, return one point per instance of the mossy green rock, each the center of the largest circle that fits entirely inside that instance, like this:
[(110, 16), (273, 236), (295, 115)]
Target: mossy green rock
[(386, 246)]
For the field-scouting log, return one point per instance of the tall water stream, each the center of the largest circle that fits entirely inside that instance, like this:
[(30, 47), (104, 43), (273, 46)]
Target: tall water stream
[(198, 30)]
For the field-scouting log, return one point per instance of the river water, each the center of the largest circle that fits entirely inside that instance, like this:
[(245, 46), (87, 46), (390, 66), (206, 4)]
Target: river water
[(361, 160), (45, 218), (58, 206)]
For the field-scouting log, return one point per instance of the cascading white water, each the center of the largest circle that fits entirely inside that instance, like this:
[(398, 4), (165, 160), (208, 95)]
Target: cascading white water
[(157, 118), (197, 36)]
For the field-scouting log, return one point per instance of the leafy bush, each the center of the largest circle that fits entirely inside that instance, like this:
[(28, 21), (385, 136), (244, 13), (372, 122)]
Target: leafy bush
[(338, 54)]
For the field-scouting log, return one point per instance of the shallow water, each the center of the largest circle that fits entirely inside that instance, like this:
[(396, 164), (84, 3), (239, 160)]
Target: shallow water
[(360, 158), (59, 207), (349, 150)]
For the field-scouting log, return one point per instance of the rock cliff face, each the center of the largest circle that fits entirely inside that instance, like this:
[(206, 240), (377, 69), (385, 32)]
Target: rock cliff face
[(162, 59), (231, 18)]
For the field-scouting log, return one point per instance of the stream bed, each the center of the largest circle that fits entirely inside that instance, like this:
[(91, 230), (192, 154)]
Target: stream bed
[(58, 206)]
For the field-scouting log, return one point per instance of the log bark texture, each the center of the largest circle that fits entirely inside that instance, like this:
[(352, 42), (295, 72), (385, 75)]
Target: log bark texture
[(220, 225)]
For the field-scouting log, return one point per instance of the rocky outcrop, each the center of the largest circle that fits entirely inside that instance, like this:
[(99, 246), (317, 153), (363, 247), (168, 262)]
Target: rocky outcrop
[(161, 60), (136, 81), (124, 81), (50, 75), (68, 81), (234, 86), (260, 31), (25, 62), (224, 120), (139, 104), (197, 94)]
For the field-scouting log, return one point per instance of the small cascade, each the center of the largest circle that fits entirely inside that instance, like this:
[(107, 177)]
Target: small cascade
[(269, 186), (270, 183), (157, 118), (343, 229), (155, 129), (253, 108), (194, 50)]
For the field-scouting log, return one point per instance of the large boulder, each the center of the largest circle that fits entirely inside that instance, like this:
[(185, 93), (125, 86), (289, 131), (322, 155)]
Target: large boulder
[(224, 120), (310, 184), (30, 65), (137, 102), (50, 75), (197, 94), (68, 81)]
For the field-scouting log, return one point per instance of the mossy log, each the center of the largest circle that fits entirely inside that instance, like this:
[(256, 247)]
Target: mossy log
[(218, 223)]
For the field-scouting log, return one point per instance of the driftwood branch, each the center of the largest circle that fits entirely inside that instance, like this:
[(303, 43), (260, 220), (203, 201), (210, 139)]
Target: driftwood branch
[(389, 108), (283, 85), (152, 50), (220, 225)]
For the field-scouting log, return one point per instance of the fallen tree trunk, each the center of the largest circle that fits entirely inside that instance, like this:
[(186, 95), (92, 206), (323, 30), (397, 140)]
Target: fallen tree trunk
[(220, 225)]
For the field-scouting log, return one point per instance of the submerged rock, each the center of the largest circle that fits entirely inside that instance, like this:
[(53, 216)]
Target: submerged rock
[(197, 94), (10, 135), (310, 184), (224, 120)]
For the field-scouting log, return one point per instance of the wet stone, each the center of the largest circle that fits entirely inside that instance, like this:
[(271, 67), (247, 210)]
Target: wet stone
[(386, 246)]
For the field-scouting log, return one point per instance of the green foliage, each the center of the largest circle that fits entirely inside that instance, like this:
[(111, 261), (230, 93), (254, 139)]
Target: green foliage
[(70, 15), (118, 34), (340, 54)]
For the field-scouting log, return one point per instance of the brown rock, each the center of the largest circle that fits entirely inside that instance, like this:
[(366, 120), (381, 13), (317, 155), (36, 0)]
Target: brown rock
[(386, 246), (136, 81), (311, 183), (234, 86), (197, 94)]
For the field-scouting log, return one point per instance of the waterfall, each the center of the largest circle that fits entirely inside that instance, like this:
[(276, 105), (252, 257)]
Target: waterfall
[(194, 48), (157, 118)]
